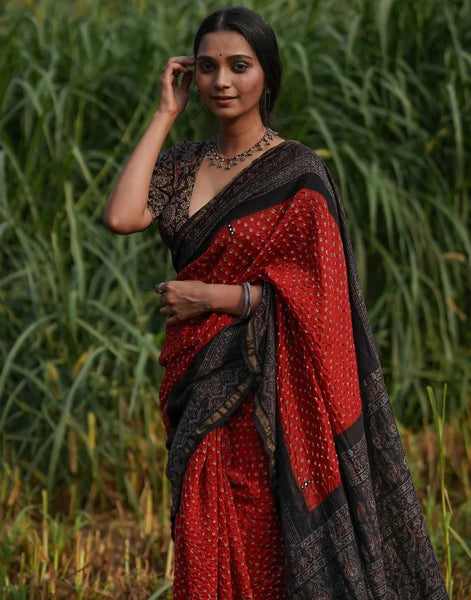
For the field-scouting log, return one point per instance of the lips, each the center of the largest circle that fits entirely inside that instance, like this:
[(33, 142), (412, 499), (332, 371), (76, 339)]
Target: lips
[(223, 98)]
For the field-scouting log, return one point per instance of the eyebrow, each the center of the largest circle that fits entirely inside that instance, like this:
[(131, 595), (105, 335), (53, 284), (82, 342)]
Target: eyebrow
[(234, 56)]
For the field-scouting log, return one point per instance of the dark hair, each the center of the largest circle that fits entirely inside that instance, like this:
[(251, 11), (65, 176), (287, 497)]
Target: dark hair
[(261, 38)]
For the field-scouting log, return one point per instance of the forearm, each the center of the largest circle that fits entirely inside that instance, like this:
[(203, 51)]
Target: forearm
[(230, 298), (182, 300), (126, 211)]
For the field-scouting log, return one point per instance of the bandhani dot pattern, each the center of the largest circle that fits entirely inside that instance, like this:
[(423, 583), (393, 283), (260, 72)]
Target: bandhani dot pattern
[(318, 395), (228, 538)]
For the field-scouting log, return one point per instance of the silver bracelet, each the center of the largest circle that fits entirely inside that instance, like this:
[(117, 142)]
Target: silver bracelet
[(247, 300)]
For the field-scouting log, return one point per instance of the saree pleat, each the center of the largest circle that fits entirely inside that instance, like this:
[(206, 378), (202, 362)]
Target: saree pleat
[(227, 523), (303, 376)]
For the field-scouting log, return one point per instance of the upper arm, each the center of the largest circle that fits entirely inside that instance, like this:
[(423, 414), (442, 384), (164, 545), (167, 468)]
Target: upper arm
[(114, 221)]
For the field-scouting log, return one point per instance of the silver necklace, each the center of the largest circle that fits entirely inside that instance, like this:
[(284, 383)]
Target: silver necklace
[(216, 160)]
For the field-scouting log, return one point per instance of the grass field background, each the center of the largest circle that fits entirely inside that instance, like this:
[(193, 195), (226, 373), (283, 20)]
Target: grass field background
[(381, 89)]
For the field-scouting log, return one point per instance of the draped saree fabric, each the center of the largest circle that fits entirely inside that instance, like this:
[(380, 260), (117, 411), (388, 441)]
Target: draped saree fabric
[(305, 363)]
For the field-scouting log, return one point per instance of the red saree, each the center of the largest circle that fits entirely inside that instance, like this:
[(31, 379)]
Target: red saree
[(288, 475)]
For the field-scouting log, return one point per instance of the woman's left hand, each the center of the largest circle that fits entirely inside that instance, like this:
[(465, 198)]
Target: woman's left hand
[(182, 300)]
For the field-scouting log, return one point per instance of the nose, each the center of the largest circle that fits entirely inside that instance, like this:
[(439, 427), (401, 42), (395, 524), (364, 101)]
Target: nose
[(222, 79)]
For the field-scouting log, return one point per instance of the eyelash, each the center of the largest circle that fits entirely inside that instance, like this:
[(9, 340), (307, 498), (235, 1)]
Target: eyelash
[(236, 67), (240, 70)]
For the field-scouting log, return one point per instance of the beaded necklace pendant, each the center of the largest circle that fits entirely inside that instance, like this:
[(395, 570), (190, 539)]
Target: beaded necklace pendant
[(219, 161)]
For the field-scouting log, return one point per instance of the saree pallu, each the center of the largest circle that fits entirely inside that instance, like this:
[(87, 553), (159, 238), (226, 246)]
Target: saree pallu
[(304, 370)]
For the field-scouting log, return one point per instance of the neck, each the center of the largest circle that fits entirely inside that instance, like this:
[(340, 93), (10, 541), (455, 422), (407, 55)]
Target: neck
[(237, 136)]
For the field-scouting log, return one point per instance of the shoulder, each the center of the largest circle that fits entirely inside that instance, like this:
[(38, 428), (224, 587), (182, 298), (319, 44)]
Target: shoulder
[(307, 164), (305, 155), (182, 152)]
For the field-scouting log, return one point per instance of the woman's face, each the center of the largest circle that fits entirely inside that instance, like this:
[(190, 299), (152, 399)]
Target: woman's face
[(229, 75)]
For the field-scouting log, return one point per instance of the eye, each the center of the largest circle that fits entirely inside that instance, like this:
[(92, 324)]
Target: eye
[(205, 67), (240, 67)]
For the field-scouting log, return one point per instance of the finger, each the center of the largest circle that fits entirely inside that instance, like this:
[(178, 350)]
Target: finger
[(186, 80), (180, 64), (170, 76), (161, 288), (171, 319), (183, 60)]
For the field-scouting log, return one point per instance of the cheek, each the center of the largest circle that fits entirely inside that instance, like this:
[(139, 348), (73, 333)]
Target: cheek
[(254, 84), (259, 85)]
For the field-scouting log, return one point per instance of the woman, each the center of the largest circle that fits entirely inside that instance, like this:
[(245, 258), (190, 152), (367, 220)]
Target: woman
[(288, 476)]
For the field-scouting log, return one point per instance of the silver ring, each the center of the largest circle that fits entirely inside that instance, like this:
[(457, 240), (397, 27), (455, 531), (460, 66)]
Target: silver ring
[(163, 68), (159, 289)]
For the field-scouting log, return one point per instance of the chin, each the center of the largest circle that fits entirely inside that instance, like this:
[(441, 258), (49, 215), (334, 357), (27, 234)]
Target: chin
[(225, 112), (230, 112)]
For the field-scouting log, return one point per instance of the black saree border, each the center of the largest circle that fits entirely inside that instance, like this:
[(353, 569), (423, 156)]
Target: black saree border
[(304, 521)]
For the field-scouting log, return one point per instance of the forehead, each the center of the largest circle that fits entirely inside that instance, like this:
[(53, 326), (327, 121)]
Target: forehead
[(225, 43)]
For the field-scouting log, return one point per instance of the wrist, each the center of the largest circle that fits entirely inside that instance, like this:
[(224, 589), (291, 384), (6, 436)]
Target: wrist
[(214, 298), (230, 299), (224, 298), (165, 117), (247, 301)]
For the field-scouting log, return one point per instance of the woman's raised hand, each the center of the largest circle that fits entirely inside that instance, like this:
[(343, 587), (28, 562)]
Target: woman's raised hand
[(175, 84)]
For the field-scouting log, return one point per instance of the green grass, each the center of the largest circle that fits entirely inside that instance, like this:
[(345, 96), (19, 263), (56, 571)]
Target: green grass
[(379, 88)]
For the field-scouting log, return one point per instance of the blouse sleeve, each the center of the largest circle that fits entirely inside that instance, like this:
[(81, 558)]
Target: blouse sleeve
[(162, 183)]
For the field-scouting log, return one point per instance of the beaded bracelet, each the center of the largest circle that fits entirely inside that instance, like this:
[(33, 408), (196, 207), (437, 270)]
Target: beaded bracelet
[(247, 300)]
